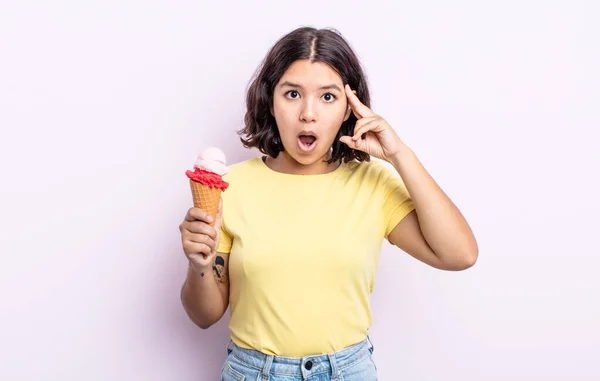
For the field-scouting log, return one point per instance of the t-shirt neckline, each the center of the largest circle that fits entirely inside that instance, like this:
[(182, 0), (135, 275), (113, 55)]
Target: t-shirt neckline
[(263, 164)]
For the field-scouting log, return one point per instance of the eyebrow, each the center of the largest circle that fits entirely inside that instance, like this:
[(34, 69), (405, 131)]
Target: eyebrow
[(328, 87)]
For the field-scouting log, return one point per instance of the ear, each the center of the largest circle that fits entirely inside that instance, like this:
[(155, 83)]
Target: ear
[(349, 110)]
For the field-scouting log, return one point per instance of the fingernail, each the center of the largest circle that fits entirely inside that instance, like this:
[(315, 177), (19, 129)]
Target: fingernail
[(210, 219)]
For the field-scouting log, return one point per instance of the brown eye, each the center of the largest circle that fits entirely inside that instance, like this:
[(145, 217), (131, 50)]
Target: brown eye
[(292, 94), (329, 97)]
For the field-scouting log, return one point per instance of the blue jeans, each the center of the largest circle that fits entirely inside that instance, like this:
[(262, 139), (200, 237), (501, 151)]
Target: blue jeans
[(353, 363)]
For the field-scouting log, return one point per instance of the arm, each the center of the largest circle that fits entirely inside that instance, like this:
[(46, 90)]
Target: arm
[(205, 293), (435, 233)]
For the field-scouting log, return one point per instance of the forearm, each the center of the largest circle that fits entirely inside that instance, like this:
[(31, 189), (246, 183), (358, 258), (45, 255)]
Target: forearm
[(442, 224), (202, 298)]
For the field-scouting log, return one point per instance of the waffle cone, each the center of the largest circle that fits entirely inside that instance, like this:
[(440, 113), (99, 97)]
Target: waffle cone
[(206, 198)]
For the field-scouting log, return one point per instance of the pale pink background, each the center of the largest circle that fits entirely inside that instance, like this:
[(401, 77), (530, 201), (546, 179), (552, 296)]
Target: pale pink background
[(104, 105)]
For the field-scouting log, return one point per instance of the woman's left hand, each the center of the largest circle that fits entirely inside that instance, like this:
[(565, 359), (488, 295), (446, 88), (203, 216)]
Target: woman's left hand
[(380, 139)]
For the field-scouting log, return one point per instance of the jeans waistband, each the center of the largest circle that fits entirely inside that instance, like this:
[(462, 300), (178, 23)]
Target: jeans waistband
[(330, 363)]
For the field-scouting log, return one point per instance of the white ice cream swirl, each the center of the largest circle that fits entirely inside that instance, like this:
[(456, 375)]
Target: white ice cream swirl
[(212, 160)]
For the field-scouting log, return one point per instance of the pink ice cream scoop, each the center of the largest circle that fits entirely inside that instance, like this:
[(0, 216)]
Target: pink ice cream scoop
[(212, 160), (209, 169)]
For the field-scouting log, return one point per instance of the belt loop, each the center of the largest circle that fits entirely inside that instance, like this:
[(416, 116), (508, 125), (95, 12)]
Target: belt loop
[(266, 368), (370, 344), (334, 369), (229, 347)]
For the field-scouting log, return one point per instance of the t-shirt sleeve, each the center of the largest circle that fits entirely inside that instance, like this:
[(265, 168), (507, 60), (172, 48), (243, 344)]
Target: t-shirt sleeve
[(397, 202), (226, 240)]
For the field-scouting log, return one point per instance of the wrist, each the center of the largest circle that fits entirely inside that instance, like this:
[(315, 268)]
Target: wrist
[(197, 270), (403, 153)]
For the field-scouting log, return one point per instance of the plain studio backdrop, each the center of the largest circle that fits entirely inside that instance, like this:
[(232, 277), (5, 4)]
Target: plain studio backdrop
[(104, 105)]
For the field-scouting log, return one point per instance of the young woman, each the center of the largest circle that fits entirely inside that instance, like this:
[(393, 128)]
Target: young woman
[(298, 234)]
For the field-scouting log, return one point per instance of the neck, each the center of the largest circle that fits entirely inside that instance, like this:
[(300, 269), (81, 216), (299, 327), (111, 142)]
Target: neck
[(284, 163)]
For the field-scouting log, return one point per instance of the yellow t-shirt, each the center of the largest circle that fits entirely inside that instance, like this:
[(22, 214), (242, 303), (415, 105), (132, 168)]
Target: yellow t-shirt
[(303, 253)]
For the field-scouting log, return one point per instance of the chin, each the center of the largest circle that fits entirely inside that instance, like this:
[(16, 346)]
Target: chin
[(307, 161), (304, 158)]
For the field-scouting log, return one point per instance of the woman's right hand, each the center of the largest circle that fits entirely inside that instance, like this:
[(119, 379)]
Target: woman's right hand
[(199, 239)]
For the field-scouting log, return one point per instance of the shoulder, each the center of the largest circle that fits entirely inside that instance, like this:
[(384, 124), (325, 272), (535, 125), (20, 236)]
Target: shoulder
[(242, 175), (372, 171), (243, 168)]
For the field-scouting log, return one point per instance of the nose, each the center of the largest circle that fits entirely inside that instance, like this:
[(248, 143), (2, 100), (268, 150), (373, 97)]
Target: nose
[(309, 111)]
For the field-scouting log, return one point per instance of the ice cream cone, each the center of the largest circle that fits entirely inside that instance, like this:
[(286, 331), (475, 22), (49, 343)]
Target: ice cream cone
[(206, 198)]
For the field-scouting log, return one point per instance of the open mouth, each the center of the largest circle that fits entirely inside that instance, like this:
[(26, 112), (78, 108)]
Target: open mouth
[(307, 142)]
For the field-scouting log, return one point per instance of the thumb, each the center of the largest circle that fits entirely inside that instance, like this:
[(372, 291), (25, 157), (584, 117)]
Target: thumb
[(359, 145)]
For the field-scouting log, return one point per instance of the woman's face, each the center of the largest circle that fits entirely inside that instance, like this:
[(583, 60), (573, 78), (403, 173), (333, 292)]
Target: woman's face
[(309, 106)]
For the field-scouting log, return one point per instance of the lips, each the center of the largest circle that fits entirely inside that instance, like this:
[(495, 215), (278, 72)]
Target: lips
[(307, 140)]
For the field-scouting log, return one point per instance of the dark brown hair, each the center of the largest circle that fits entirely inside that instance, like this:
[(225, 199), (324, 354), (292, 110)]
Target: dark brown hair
[(317, 45)]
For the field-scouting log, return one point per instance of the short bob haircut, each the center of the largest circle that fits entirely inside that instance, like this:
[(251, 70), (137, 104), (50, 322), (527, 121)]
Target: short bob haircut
[(317, 45)]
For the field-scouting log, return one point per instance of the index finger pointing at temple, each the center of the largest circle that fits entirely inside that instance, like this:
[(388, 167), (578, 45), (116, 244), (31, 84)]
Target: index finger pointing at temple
[(357, 106)]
